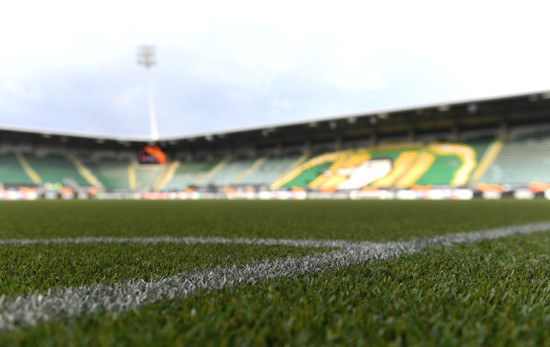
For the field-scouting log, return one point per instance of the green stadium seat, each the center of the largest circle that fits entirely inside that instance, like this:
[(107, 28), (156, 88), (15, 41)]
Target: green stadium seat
[(187, 173), (269, 170), (147, 175), (521, 162), (11, 171), (228, 172), (112, 173), (55, 169)]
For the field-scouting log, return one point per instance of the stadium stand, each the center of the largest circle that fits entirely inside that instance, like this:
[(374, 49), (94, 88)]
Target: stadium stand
[(452, 164), (303, 175), (112, 173), (399, 166), (269, 170), (400, 159), (11, 171), (146, 175), (499, 143), (84, 172), (346, 171), (226, 175), (55, 169), (519, 162), (166, 175), (188, 173)]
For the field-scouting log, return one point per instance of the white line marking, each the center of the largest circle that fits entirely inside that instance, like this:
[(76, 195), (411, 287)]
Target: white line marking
[(55, 305), (188, 241)]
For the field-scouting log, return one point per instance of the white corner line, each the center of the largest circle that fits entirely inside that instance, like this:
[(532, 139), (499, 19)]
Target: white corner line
[(57, 305)]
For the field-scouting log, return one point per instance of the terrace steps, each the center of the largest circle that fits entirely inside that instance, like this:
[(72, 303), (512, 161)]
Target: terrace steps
[(278, 183), (33, 175), (421, 164), (487, 160), (213, 171), (85, 172), (248, 171), (132, 174), (166, 175), (11, 170), (402, 163)]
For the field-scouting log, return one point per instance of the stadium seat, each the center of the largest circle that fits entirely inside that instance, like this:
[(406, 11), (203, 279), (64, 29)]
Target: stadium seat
[(187, 173), (147, 175), (55, 169), (396, 165), (11, 170), (268, 171), (521, 162), (226, 174), (112, 173)]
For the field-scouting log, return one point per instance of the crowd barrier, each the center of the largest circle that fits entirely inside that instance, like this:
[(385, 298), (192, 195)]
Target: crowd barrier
[(400, 194)]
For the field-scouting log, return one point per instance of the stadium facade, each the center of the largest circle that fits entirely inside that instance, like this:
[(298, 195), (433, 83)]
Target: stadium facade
[(491, 147)]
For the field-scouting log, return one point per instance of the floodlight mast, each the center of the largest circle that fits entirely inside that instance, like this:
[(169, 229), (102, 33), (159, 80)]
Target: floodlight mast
[(146, 58)]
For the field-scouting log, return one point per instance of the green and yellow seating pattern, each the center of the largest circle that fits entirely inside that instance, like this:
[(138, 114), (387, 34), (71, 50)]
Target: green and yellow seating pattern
[(398, 166)]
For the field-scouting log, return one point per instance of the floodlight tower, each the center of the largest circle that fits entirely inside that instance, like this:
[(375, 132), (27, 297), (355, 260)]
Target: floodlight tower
[(146, 58)]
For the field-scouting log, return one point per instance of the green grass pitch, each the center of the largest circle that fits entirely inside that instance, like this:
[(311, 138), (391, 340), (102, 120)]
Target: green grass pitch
[(491, 292)]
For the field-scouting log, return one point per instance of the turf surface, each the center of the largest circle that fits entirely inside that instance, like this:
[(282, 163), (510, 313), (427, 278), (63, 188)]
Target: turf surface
[(31, 268), (489, 293), (354, 220)]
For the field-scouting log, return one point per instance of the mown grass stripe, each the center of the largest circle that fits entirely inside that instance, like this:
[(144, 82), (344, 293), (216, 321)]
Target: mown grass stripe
[(32, 309)]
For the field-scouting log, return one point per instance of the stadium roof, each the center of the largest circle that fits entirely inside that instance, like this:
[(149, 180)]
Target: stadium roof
[(434, 117)]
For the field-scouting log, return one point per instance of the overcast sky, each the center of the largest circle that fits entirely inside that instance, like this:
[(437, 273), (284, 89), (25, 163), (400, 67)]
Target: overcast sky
[(224, 65)]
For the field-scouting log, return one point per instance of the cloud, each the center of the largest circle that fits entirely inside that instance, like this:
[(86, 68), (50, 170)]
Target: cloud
[(226, 65), (375, 79), (281, 104), (368, 79), (15, 90)]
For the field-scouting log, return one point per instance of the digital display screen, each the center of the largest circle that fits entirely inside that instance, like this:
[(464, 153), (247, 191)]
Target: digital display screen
[(152, 155)]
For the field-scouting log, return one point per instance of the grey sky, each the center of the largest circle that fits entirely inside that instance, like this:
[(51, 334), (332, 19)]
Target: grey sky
[(71, 65)]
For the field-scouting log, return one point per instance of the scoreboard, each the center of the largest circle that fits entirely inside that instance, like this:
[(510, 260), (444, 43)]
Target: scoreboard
[(152, 155)]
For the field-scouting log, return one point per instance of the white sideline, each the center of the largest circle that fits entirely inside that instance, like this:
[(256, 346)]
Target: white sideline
[(55, 305), (188, 241)]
